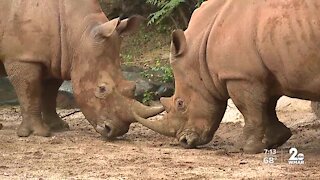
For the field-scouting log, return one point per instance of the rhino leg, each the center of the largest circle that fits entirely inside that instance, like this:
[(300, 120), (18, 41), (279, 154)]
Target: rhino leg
[(276, 132), (26, 79), (251, 100), (49, 113)]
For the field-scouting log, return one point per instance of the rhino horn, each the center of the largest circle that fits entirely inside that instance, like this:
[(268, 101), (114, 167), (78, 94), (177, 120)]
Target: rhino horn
[(162, 126), (146, 111)]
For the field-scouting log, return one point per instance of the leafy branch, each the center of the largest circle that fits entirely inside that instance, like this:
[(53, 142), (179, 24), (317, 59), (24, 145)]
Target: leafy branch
[(166, 8)]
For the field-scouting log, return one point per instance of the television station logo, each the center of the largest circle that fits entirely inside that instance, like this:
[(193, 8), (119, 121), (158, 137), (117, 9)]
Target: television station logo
[(296, 157), (272, 156)]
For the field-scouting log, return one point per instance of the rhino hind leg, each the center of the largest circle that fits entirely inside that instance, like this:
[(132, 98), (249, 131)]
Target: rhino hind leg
[(26, 79), (276, 132), (49, 104), (276, 135)]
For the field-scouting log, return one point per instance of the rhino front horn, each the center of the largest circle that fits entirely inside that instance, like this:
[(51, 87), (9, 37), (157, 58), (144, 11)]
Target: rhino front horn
[(146, 111), (162, 126)]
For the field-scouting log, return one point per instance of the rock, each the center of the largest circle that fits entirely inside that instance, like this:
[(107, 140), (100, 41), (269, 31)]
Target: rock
[(66, 86), (7, 93), (143, 86), (284, 104), (65, 99), (287, 104), (165, 90), (132, 76), (154, 87), (232, 114), (131, 69), (316, 108)]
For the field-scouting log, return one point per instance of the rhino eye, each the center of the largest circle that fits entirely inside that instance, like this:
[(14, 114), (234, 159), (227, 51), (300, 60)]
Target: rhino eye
[(180, 105)]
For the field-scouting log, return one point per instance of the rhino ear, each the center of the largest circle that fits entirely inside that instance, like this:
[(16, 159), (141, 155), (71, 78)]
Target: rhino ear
[(130, 25), (108, 28), (179, 43)]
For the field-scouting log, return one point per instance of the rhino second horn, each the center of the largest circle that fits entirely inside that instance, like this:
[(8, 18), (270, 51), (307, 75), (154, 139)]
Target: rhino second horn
[(160, 126), (146, 111)]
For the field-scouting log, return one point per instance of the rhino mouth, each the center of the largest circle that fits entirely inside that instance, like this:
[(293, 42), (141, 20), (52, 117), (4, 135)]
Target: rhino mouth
[(110, 130), (191, 139)]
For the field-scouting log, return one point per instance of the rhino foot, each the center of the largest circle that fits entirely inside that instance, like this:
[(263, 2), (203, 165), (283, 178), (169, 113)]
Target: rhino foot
[(254, 147), (276, 135), (37, 128), (24, 132), (56, 123), (59, 126), (1, 126)]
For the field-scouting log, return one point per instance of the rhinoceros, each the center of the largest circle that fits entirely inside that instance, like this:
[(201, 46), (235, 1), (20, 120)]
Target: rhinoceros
[(45, 42), (252, 51)]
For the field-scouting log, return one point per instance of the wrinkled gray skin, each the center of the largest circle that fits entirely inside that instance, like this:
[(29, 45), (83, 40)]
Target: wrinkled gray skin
[(43, 43), (250, 51)]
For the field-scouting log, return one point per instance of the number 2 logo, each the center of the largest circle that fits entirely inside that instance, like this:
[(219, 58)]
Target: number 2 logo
[(295, 156)]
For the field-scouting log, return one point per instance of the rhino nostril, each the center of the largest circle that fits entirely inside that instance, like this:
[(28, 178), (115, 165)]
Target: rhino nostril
[(183, 142), (187, 142), (107, 129)]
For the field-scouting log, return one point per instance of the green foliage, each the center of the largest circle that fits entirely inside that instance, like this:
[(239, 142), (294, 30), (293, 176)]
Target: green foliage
[(166, 8), (147, 97), (168, 74), (161, 72), (127, 58), (199, 3)]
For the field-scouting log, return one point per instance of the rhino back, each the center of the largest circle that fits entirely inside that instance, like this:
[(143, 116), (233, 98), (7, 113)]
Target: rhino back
[(256, 39), (47, 32), (289, 42), (30, 31), (4, 13), (199, 24)]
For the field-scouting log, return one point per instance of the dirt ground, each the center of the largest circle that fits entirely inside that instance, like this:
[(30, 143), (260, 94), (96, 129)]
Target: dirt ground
[(143, 154)]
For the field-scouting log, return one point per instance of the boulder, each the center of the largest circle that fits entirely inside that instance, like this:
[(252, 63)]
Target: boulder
[(8, 96)]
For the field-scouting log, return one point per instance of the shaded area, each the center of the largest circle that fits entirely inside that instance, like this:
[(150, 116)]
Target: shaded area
[(65, 99), (7, 94), (153, 87)]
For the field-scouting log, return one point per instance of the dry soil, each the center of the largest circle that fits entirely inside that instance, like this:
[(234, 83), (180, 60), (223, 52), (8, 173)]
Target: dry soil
[(143, 154)]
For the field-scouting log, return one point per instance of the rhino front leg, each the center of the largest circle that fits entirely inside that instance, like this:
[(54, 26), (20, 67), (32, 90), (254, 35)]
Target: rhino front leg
[(252, 102), (26, 79), (49, 103), (276, 133)]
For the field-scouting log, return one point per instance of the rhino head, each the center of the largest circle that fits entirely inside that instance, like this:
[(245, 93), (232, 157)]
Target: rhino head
[(193, 114), (102, 93)]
